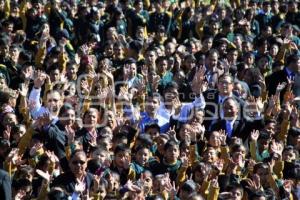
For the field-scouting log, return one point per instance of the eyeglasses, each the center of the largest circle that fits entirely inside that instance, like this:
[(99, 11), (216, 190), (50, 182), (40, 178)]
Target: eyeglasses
[(76, 162)]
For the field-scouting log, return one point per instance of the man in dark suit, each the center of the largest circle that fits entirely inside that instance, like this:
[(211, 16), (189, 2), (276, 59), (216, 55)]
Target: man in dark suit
[(214, 99), (289, 72), (5, 186), (233, 124), (77, 179)]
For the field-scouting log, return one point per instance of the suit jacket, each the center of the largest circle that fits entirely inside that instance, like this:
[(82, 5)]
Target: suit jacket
[(241, 127), (5, 186), (68, 181), (212, 110), (56, 140)]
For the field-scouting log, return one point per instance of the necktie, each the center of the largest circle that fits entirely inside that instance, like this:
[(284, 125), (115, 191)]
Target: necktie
[(229, 128)]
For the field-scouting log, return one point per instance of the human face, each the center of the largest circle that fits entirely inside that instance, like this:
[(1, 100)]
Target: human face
[(72, 90), (91, 118), (118, 51), (288, 156), (122, 158), (53, 102), (214, 139), (68, 118), (185, 132), (110, 119), (100, 155), (162, 67), (152, 105), (170, 49), (274, 50), (210, 156), (160, 144), (171, 95), (207, 44), (2, 83), (232, 56), (230, 109), (225, 86), (236, 194), (140, 33), (263, 64), (71, 72), (263, 175), (151, 57), (18, 135), (247, 47), (10, 119), (153, 132), (55, 75), (14, 54), (109, 50), (172, 154), (142, 156), (213, 60), (78, 164)]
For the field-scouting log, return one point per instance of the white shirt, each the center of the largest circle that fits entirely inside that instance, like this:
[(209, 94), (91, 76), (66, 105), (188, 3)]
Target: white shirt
[(37, 109)]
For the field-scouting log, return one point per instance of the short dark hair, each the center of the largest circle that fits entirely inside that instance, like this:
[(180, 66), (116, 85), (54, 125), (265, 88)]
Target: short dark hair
[(122, 148), (65, 108), (171, 143)]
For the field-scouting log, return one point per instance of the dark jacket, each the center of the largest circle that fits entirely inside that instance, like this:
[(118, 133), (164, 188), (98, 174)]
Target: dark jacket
[(241, 127), (68, 181), (56, 141), (213, 107), (274, 79)]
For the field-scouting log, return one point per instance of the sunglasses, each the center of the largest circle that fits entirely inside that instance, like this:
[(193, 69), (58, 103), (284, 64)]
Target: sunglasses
[(76, 162)]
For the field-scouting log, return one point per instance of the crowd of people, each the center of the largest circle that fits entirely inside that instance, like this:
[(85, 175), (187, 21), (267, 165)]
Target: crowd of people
[(149, 99)]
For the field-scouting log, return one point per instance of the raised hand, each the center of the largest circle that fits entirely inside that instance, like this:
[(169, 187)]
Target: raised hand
[(7, 132), (35, 148), (39, 79), (53, 158), (141, 86), (254, 183), (280, 87), (171, 189), (223, 136), (85, 87), (70, 134), (276, 147), (44, 175), (198, 79), (131, 187), (172, 133), (184, 162), (254, 135), (23, 91)]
